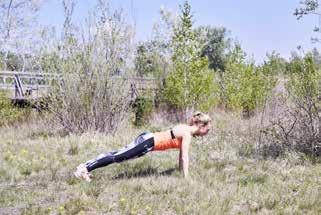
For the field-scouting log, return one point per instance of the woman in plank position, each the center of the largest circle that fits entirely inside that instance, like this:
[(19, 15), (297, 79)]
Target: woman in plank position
[(178, 137)]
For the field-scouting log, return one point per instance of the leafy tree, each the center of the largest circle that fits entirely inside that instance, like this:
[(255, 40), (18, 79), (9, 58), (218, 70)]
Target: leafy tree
[(304, 79), (10, 61), (143, 61), (162, 35), (316, 58), (244, 85), (17, 26), (2, 66), (274, 64), (308, 7), (294, 64), (49, 62), (189, 85), (215, 44), (148, 59), (163, 31)]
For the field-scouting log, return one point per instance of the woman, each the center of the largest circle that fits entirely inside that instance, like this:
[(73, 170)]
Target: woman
[(178, 137)]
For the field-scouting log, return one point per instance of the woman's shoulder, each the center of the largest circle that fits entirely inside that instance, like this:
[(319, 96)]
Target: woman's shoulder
[(180, 130), (181, 126)]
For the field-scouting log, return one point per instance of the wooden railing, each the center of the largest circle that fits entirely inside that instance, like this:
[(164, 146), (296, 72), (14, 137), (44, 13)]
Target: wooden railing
[(25, 85), (32, 85)]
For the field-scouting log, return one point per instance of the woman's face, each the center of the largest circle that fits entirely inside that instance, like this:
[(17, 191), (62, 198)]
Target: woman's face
[(203, 128)]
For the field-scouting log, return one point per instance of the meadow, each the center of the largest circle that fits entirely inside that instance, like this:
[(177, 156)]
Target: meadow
[(262, 155), (226, 177)]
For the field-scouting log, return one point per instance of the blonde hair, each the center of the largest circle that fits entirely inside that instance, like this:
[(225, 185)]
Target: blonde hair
[(199, 117)]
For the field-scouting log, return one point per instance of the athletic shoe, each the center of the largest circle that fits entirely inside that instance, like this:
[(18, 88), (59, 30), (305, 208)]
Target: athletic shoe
[(82, 173)]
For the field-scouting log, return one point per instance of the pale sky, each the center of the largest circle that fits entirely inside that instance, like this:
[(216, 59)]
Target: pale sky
[(260, 26)]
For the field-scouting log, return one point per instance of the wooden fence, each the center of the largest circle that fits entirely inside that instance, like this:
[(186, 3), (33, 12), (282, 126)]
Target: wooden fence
[(32, 85)]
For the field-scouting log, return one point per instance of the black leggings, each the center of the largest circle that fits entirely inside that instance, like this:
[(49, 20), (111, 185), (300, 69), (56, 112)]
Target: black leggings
[(141, 145)]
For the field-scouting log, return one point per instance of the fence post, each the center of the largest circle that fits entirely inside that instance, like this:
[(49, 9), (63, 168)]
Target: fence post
[(18, 87)]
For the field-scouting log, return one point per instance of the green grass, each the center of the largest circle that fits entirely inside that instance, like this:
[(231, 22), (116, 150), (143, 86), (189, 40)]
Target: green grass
[(36, 176)]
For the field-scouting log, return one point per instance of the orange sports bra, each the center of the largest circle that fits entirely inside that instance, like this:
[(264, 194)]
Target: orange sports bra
[(166, 140)]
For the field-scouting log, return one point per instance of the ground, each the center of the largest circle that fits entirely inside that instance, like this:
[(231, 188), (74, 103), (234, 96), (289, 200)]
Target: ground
[(225, 178)]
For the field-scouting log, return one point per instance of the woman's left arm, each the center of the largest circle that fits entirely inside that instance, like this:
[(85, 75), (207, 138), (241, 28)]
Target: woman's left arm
[(183, 158)]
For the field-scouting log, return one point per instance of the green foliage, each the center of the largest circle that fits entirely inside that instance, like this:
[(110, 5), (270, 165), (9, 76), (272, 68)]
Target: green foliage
[(143, 61), (214, 44), (192, 89), (252, 179), (147, 60), (143, 107), (274, 65), (316, 58), (304, 80), (245, 85), (34, 209), (294, 65), (11, 61), (74, 206), (8, 113), (49, 62), (189, 84), (2, 66)]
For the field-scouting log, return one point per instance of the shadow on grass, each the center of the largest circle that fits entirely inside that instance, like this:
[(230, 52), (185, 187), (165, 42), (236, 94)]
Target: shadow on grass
[(144, 173)]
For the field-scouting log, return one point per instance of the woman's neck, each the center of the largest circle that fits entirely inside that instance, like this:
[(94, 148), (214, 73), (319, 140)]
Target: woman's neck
[(194, 130)]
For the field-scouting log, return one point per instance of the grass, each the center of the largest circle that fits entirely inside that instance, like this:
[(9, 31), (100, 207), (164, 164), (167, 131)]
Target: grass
[(36, 175)]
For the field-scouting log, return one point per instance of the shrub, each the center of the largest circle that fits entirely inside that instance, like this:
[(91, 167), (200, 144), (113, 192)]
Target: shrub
[(245, 86), (297, 125), (143, 107), (93, 93), (8, 113)]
